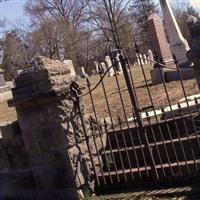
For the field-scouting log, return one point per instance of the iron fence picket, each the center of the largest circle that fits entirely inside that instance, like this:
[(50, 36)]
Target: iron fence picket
[(150, 136)]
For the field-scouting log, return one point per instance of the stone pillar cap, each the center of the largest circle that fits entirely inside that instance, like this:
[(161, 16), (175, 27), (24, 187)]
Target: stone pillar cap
[(44, 77)]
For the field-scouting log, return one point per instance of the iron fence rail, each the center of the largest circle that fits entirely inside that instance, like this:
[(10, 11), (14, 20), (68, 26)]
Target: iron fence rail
[(153, 149)]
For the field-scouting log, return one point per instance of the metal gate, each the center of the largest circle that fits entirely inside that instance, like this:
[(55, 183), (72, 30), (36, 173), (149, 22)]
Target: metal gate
[(139, 134)]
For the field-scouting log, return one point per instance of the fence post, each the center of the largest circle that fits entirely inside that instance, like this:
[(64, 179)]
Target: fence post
[(132, 94)]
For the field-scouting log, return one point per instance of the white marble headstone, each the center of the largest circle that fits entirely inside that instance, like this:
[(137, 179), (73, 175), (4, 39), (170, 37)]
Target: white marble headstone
[(69, 63), (150, 55), (119, 65), (83, 73), (141, 59), (109, 64), (145, 59), (179, 45), (96, 64)]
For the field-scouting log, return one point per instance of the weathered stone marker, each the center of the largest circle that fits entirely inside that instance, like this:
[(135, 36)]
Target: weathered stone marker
[(45, 114), (150, 57), (96, 65), (118, 65), (109, 64), (83, 73), (145, 59), (159, 40), (160, 45), (141, 59), (178, 44), (70, 65)]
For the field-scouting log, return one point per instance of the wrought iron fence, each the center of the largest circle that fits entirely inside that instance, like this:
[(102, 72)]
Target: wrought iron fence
[(139, 145)]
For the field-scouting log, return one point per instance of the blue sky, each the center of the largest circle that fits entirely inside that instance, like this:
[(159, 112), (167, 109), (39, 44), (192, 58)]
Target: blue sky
[(13, 11)]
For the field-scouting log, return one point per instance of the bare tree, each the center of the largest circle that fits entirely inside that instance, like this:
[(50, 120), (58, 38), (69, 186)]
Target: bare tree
[(111, 18), (69, 14), (15, 54), (46, 39)]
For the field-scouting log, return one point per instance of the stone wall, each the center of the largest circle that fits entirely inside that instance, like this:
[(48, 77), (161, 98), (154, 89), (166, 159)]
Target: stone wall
[(47, 145), (16, 180)]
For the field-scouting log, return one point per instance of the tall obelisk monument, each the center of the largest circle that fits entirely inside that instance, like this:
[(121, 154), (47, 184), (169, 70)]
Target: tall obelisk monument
[(178, 44)]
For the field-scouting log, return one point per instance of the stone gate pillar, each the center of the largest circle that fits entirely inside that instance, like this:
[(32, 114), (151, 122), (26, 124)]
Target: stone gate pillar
[(46, 118)]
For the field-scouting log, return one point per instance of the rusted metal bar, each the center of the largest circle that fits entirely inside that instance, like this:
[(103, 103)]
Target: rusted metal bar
[(132, 95), (155, 142), (171, 140), (125, 146), (76, 100), (112, 125), (173, 117), (142, 150), (99, 129), (126, 119), (185, 96), (111, 152), (156, 118), (154, 171), (97, 152), (187, 135)]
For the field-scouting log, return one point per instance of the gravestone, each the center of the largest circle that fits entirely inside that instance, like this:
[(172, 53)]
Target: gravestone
[(145, 59), (103, 66), (160, 45), (96, 64), (70, 65), (3, 87), (194, 54), (159, 40), (178, 44), (108, 65), (119, 65), (83, 73), (141, 59), (150, 57)]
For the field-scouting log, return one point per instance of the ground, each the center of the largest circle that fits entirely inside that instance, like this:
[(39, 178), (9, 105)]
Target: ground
[(157, 92), (7, 114)]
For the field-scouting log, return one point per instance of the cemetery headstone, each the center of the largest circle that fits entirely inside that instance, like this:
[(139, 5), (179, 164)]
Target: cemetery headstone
[(96, 64), (119, 65), (159, 40), (178, 44), (145, 59), (83, 73), (161, 47), (103, 66), (150, 57), (141, 59), (70, 65), (108, 65)]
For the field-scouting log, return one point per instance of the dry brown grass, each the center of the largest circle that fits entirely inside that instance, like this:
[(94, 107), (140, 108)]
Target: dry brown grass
[(157, 92), (7, 114), (158, 95)]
